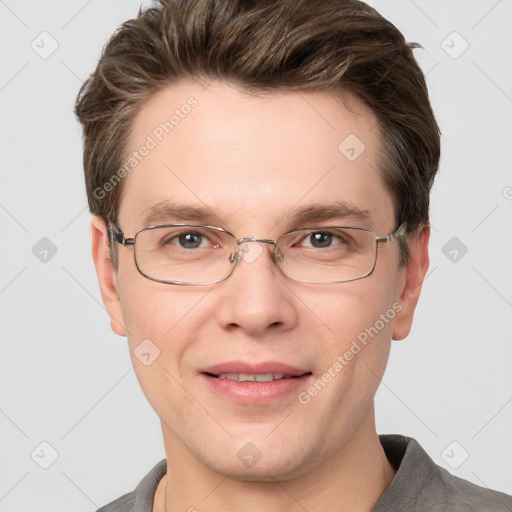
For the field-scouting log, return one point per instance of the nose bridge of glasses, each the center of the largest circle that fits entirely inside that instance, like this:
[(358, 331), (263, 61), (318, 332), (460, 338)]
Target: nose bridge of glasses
[(244, 252), (255, 239)]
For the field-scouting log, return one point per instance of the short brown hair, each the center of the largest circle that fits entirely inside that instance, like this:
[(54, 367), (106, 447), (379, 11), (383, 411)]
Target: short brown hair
[(262, 46)]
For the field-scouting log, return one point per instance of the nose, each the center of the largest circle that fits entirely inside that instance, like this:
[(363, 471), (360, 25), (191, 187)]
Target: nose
[(256, 298)]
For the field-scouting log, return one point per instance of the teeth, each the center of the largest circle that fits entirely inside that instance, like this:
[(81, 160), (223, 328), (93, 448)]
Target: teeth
[(245, 377)]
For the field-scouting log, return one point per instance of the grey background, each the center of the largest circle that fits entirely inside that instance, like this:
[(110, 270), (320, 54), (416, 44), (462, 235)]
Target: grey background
[(66, 379)]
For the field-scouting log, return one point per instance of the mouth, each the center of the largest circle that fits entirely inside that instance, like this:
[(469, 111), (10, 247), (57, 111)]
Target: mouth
[(254, 384), (259, 377)]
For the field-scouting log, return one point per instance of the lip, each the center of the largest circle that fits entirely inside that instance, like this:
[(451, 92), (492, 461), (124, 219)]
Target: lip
[(253, 368), (254, 393)]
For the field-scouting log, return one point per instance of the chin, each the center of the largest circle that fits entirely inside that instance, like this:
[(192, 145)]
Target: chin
[(245, 461), (270, 471)]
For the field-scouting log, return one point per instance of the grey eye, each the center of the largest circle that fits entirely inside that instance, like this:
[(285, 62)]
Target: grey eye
[(190, 240), (321, 239)]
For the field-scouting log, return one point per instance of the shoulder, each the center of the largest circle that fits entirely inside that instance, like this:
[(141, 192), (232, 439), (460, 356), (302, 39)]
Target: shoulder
[(421, 485), (123, 504), (141, 499), (472, 498)]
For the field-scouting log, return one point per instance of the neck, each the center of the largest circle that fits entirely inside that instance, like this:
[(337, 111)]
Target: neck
[(354, 479)]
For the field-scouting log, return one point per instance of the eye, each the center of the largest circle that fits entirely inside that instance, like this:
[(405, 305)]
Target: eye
[(321, 239), (188, 240)]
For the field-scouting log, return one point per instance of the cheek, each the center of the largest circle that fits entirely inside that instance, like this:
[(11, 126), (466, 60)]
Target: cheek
[(359, 318), (162, 323), (349, 309), (154, 310)]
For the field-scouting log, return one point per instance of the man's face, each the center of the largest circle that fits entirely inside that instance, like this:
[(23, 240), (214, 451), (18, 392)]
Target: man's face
[(253, 162)]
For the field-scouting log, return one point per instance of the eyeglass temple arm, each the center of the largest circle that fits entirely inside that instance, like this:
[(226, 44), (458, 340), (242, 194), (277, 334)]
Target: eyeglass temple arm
[(393, 236), (118, 235)]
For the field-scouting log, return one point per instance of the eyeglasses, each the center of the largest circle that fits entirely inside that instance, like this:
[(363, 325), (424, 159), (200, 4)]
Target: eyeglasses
[(189, 254)]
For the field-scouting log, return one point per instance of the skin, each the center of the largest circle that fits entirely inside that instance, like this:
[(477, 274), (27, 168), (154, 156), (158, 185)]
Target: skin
[(252, 160)]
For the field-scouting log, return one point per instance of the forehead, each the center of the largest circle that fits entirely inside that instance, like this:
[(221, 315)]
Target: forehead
[(253, 158)]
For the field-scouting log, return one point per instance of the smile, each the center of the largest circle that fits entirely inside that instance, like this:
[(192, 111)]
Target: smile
[(255, 384), (260, 377)]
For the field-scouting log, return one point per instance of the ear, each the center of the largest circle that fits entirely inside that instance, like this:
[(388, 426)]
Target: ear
[(107, 275), (413, 276)]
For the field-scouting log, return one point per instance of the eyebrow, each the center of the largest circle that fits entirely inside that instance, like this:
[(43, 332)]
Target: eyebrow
[(327, 212), (165, 211), (168, 211)]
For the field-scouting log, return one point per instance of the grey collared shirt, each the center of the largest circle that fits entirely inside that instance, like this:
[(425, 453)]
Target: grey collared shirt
[(419, 486)]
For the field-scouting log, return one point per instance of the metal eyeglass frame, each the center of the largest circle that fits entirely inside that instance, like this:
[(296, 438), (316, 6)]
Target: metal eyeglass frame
[(118, 236)]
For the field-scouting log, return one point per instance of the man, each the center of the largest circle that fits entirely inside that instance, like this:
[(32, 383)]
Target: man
[(259, 174)]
